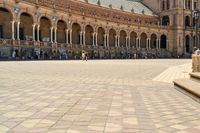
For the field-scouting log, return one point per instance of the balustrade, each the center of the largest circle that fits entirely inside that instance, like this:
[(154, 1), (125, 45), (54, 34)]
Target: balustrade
[(196, 63)]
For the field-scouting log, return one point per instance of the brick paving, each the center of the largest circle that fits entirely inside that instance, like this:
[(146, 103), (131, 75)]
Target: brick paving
[(109, 96)]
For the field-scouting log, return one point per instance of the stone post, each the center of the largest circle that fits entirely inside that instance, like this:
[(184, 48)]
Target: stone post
[(18, 23), (13, 30), (66, 35), (38, 33), (33, 32)]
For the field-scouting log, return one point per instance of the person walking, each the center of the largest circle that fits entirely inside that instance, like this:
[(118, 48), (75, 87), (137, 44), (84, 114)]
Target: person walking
[(83, 55), (86, 56)]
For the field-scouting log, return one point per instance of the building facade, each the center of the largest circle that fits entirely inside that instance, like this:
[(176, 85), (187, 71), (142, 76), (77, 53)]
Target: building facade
[(50, 29)]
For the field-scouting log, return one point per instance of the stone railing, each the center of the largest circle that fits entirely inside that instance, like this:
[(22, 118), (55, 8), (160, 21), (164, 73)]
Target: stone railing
[(196, 63)]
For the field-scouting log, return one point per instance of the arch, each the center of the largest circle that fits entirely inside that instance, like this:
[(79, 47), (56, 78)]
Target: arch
[(153, 41), (187, 21), (76, 29), (89, 35), (143, 40), (112, 34), (5, 23), (26, 22), (187, 44), (45, 25), (165, 20), (122, 38), (100, 36), (163, 42), (61, 31), (133, 39)]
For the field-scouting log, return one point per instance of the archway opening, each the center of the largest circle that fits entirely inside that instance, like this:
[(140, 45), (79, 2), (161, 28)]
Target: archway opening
[(5, 24), (143, 40), (163, 42), (187, 21), (100, 36), (45, 25), (123, 38), (133, 39), (187, 44), (25, 30), (61, 31), (153, 40), (76, 29), (165, 20), (89, 35), (112, 34)]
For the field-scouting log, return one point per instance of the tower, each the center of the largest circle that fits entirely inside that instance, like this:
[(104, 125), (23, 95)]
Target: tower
[(178, 15)]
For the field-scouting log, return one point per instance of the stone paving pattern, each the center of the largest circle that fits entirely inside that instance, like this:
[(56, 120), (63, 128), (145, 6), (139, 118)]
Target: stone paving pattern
[(109, 96)]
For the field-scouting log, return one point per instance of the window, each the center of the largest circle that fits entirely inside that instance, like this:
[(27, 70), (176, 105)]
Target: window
[(165, 20), (187, 21), (165, 5), (1, 31), (195, 5)]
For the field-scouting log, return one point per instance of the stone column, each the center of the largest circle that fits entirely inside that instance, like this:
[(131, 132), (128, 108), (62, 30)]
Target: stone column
[(70, 35), (139, 42), (116, 41), (81, 40), (33, 32), (158, 43), (66, 36), (136, 42), (192, 4), (149, 43), (51, 37), (93, 39), (18, 23), (104, 40), (183, 4), (38, 33), (55, 35), (126, 42), (96, 39), (84, 38), (107, 40), (168, 44), (129, 42), (13, 30)]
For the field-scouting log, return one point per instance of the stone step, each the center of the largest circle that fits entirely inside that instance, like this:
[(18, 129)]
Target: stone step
[(188, 87), (195, 76)]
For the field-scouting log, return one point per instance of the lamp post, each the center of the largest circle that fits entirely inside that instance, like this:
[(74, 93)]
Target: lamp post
[(196, 17)]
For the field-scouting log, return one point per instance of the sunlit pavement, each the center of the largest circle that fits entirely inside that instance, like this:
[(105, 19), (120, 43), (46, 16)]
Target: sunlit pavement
[(100, 96)]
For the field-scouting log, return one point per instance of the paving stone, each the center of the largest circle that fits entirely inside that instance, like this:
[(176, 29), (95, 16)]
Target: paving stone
[(119, 96)]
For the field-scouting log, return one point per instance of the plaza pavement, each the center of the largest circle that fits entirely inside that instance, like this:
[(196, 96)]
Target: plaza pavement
[(100, 96)]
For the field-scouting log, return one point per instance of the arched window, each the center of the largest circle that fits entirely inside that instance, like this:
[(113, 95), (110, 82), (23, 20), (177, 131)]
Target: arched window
[(165, 20), (76, 29), (187, 21), (5, 19)]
